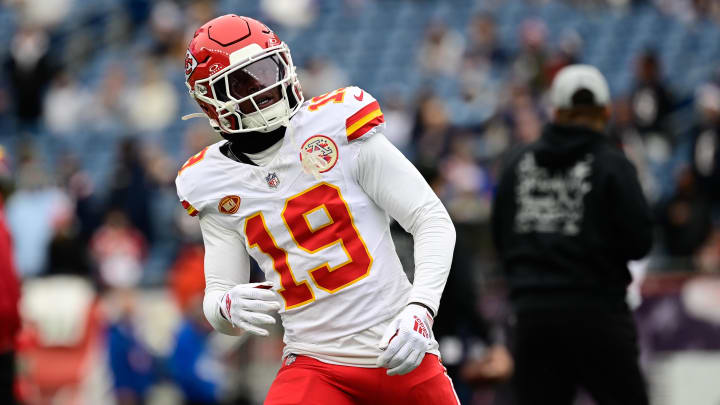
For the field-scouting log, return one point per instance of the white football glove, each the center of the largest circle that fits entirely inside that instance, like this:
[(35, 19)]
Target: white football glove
[(406, 340), (246, 306)]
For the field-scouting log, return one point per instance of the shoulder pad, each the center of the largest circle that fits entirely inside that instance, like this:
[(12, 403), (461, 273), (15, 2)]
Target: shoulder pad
[(181, 182), (193, 160)]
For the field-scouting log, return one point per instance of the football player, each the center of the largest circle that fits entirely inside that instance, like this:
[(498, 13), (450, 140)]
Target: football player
[(307, 188)]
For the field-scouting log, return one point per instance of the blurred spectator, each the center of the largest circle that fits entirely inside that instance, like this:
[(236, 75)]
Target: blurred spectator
[(320, 76), (431, 132), (528, 67), (60, 341), (567, 53), (519, 111), (705, 141), (194, 365), (528, 126), (686, 10), (138, 10), (153, 103), (292, 14), (118, 250), (496, 138), (568, 215), (466, 184), (470, 350), (67, 251), (167, 27), (483, 56), (399, 121), (478, 98), (685, 220), (131, 363), (483, 47), (29, 70), (441, 50), (651, 99), (708, 258), (197, 137), (43, 13), (197, 13), (81, 189), (65, 106), (31, 210), (707, 8), (131, 187), (162, 214), (108, 112), (625, 135)]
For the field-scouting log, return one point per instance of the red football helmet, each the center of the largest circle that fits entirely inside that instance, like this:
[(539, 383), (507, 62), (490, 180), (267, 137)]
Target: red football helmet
[(241, 75)]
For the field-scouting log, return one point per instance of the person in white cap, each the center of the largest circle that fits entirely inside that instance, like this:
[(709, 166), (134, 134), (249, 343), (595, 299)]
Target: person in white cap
[(568, 215)]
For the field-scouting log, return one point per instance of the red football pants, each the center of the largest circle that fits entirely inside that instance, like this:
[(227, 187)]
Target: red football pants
[(307, 381)]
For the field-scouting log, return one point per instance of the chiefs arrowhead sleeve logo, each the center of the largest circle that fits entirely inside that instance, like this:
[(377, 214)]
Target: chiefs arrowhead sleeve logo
[(363, 121)]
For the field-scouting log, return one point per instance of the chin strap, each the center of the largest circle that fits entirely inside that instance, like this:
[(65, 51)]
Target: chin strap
[(193, 115)]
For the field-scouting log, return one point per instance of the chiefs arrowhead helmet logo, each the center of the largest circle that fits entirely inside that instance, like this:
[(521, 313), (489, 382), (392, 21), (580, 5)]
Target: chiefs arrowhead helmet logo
[(190, 64)]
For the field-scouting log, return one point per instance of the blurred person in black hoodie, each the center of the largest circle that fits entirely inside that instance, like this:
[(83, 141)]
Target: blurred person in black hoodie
[(568, 215)]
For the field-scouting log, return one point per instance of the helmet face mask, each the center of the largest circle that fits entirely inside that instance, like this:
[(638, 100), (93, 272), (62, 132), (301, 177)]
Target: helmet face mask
[(258, 90)]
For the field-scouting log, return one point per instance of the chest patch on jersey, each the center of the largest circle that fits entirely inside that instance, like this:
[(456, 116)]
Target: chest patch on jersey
[(229, 204), (321, 152)]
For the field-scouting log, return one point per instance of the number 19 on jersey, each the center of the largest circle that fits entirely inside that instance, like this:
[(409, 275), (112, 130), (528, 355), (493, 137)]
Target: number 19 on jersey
[(339, 230)]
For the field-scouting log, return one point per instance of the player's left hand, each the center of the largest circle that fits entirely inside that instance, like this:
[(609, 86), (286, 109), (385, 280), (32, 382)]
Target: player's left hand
[(406, 340)]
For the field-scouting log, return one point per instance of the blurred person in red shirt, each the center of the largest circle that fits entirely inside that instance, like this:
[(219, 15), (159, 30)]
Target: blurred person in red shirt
[(118, 249), (10, 287)]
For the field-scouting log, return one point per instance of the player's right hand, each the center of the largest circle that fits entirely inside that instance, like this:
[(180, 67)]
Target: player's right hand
[(246, 306)]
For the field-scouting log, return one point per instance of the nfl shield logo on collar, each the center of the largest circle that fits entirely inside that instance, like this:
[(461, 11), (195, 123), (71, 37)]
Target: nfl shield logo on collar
[(272, 180)]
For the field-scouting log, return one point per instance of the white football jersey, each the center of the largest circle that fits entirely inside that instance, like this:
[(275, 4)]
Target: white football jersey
[(320, 239)]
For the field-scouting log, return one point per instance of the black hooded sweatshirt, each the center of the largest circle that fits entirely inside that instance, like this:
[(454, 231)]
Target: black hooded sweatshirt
[(568, 215)]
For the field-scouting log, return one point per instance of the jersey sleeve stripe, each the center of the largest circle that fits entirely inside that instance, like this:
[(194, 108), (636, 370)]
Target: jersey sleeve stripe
[(367, 127), (189, 208), (357, 121), (360, 114)]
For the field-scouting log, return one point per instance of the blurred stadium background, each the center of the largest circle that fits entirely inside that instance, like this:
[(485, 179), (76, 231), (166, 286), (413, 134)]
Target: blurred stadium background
[(91, 92)]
